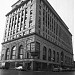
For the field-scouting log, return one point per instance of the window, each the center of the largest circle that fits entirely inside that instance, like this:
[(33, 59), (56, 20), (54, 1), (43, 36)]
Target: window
[(17, 27), (62, 56), (39, 22), (30, 21), (71, 61), (20, 54), (54, 26), (38, 49), (38, 31), (48, 24), (21, 26), (2, 56), (21, 19), (43, 17), (15, 17), (33, 47), (53, 56), (31, 11), (13, 31), (13, 55), (57, 57), (8, 33), (31, 30), (34, 50), (50, 18), (28, 44), (7, 20), (44, 53), (65, 60), (7, 54), (49, 54), (43, 12), (39, 6), (26, 13), (39, 12), (57, 29), (18, 15), (43, 28), (46, 19), (31, 6), (31, 18), (28, 55), (22, 12), (30, 47)]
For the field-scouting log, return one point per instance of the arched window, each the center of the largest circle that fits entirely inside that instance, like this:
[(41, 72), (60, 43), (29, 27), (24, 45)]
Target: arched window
[(13, 55), (44, 53), (20, 54), (28, 55), (49, 54), (62, 56), (7, 54), (57, 57), (53, 56)]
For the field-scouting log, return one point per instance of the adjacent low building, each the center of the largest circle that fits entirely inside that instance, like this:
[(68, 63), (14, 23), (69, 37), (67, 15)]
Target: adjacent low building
[(36, 37)]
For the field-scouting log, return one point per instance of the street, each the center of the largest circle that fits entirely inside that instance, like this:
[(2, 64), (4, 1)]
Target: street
[(16, 72)]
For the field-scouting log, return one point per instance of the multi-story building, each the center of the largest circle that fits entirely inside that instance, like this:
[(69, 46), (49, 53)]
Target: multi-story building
[(36, 37)]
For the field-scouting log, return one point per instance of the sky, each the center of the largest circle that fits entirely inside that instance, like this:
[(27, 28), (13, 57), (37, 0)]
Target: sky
[(65, 9)]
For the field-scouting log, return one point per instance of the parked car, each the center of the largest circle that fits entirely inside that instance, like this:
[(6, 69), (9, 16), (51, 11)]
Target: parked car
[(56, 70), (20, 68)]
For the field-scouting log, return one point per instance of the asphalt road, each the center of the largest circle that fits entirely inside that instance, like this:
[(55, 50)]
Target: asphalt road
[(16, 72)]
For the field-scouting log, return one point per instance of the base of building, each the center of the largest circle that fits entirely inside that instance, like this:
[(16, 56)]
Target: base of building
[(32, 65)]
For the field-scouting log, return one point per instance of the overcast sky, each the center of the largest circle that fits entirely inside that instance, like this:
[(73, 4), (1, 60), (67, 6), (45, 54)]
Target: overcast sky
[(65, 8)]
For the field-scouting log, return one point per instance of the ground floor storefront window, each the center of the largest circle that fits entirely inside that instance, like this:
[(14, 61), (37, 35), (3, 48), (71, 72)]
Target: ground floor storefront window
[(34, 65), (12, 64)]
